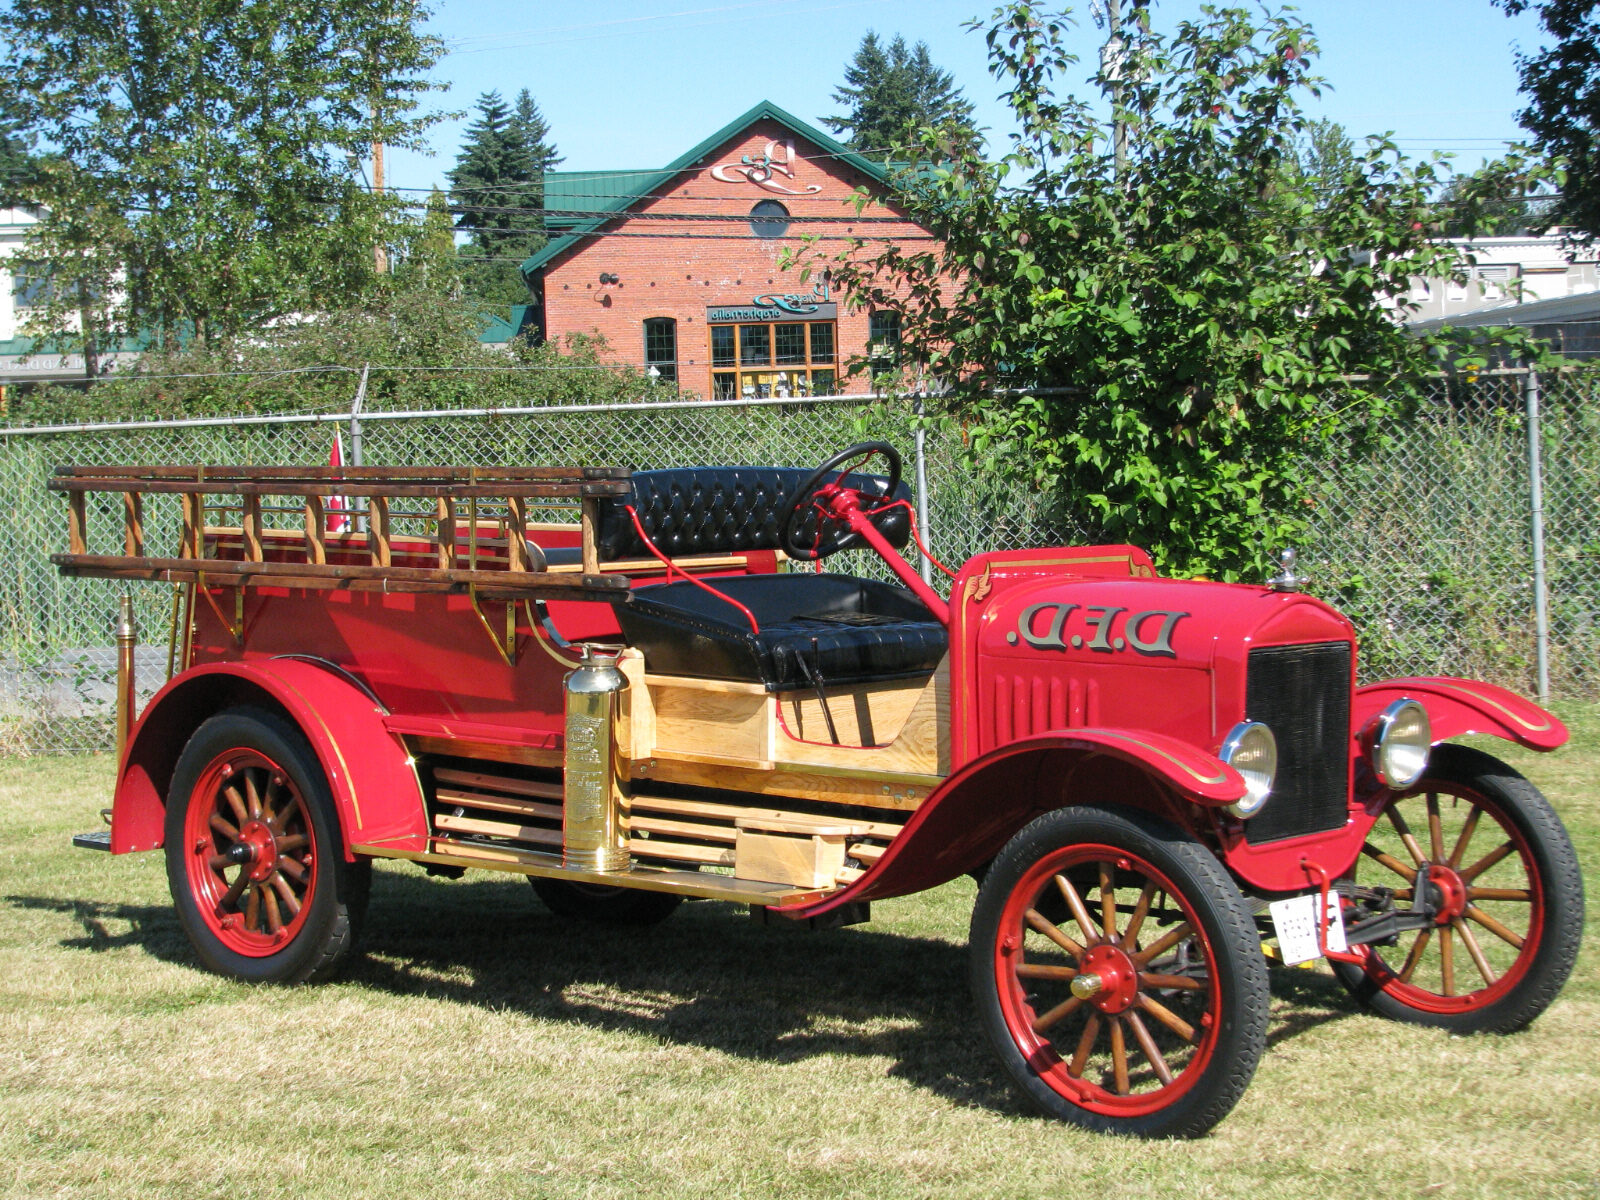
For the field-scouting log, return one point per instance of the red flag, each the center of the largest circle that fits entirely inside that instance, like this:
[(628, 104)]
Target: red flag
[(337, 521)]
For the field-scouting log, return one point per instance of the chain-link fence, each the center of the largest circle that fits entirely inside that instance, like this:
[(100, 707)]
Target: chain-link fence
[(1425, 541)]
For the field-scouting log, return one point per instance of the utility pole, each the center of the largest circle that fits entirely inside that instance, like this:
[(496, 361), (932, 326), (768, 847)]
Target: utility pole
[(380, 256), (1111, 56)]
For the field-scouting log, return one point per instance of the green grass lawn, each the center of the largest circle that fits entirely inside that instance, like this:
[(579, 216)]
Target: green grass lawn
[(483, 1047)]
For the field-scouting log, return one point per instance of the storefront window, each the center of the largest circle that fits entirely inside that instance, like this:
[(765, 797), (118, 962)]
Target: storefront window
[(790, 358)]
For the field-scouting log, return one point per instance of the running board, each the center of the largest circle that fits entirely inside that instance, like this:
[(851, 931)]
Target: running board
[(100, 839), (699, 884)]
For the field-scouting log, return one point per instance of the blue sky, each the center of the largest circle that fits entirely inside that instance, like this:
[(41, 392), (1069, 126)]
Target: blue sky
[(634, 83)]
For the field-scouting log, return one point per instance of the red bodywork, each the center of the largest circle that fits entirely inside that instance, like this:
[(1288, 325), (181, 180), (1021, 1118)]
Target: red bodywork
[(1075, 674)]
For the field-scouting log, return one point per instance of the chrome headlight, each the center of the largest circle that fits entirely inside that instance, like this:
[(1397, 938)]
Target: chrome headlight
[(1251, 750), (1400, 744)]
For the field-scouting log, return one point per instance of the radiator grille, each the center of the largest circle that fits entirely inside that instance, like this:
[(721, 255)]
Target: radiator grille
[(1302, 693)]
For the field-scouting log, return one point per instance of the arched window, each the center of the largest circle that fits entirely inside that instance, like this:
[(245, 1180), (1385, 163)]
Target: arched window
[(769, 219), (661, 348)]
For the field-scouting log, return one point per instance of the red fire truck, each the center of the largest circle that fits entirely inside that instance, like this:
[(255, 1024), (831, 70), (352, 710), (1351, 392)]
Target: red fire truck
[(632, 688)]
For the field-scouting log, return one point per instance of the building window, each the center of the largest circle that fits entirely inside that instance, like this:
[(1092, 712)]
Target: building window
[(661, 348), (883, 343), (789, 358), (769, 219)]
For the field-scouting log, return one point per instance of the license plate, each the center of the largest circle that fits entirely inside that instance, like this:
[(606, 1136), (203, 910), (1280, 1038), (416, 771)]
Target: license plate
[(1295, 922)]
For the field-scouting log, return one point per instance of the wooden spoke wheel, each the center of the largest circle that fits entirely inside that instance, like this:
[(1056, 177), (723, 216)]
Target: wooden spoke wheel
[(1500, 878), (254, 857), (1118, 975), (605, 905)]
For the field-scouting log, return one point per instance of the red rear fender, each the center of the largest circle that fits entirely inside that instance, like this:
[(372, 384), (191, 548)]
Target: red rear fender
[(975, 812), (1457, 707), (368, 769)]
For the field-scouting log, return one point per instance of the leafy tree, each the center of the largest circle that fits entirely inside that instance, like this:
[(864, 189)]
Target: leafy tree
[(497, 186), (1498, 200), (16, 163), (1155, 343), (202, 171), (1562, 83), (430, 260), (891, 93)]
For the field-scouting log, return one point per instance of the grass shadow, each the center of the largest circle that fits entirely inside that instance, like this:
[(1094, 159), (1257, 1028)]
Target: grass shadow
[(708, 977)]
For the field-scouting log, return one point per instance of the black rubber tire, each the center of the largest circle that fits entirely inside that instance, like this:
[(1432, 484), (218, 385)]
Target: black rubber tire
[(1460, 771), (1234, 1026), (338, 896), (605, 905)]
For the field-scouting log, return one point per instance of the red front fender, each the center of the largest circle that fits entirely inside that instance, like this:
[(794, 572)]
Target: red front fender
[(971, 815), (1461, 706), (368, 768)]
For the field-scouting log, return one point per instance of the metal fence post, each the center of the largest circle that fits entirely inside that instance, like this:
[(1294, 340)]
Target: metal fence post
[(355, 417), (921, 440), (1541, 612)]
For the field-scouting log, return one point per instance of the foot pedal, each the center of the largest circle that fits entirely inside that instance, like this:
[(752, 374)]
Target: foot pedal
[(100, 839)]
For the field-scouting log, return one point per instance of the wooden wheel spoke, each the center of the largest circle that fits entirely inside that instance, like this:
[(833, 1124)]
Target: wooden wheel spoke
[(219, 825), (1468, 828), (293, 842), (252, 795), (269, 899), (1148, 1045), (1517, 895), (1080, 914), (293, 869), (1407, 838), (1080, 1056), (1042, 971), (280, 821), (1187, 983), (1162, 944), (230, 898), (241, 814), (218, 863), (1447, 962), (1415, 957), (1166, 1016), (1119, 1057), (1066, 1008), (1130, 935), (1036, 921), (286, 894), (252, 906), (1435, 829), (1108, 900), (1474, 950), (1390, 861), (1493, 926), (1487, 861)]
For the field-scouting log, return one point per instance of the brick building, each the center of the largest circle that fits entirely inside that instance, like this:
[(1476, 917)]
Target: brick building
[(679, 268)]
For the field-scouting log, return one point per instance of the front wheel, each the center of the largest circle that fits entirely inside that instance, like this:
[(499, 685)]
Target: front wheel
[(1117, 974), (1499, 875), (255, 860)]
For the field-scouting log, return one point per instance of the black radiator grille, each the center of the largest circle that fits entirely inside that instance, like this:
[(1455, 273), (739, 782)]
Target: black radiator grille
[(1302, 693)]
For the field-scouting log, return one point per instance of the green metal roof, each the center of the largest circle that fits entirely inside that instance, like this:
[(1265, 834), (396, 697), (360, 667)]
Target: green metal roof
[(613, 192)]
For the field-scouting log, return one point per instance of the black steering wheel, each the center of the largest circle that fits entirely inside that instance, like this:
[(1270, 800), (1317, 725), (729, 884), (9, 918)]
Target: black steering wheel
[(827, 534)]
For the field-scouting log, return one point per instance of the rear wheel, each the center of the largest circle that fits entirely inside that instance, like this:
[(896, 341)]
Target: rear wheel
[(1117, 974), (605, 904), (255, 860), (1500, 874)]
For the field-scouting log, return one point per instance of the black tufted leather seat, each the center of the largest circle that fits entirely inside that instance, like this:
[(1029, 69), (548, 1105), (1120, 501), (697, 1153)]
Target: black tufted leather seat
[(843, 628), (719, 510)]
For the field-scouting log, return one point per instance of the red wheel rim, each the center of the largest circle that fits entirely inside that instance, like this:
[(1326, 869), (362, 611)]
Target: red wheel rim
[(251, 855), (1137, 1031), (1489, 894)]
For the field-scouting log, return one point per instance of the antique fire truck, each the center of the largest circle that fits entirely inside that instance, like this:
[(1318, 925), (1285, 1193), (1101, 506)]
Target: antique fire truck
[(634, 689)]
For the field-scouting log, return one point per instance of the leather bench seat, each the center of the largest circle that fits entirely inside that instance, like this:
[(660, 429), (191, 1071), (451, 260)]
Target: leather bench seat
[(847, 629)]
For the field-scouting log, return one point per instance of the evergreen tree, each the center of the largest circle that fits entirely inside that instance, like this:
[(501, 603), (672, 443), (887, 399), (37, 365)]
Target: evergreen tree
[(892, 93), (497, 189)]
